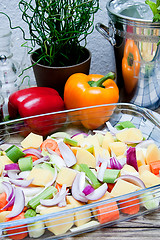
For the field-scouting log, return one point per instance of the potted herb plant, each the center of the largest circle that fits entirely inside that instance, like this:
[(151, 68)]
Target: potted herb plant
[(59, 30)]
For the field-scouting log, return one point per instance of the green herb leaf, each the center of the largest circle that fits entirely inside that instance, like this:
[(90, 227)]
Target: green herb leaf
[(153, 6)]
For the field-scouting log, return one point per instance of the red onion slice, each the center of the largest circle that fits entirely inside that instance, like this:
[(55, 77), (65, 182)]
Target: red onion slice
[(102, 170), (13, 174), (21, 183), (76, 193), (122, 161), (41, 160), (19, 203), (88, 189), (132, 179), (131, 157), (83, 133), (98, 193), (82, 182), (67, 154), (11, 201), (57, 199), (8, 188), (99, 160), (64, 191), (115, 163), (12, 166), (33, 151), (50, 151), (112, 129)]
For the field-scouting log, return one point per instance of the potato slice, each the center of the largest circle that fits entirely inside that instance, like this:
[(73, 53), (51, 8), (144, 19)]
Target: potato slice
[(81, 217), (60, 224), (32, 140), (130, 135), (118, 148), (107, 139), (83, 156), (152, 153), (66, 176), (123, 187)]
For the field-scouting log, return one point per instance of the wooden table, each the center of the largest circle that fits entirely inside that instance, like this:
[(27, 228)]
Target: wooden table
[(144, 227)]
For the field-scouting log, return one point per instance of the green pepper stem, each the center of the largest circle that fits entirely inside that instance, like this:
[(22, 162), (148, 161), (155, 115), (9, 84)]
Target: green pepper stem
[(110, 75)]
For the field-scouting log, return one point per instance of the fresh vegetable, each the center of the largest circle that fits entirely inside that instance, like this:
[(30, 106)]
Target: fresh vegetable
[(67, 154), (52, 183), (59, 198), (124, 124), (36, 229), (110, 175), (149, 200), (131, 157), (130, 65), (95, 183), (129, 205), (34, 101), (49, 143), (84, 91), (155, 7), (19, 203), (17, 232), (3, 199), (32, 141), (132, 179), (30, 213), (47, 193), (155, 167), (34, 158), (14, 153), (108, 212), (88, 189), (70, 142), (25, 164)]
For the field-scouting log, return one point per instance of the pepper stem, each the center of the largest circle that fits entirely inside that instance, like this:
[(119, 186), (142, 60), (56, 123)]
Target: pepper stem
[(110, 75)]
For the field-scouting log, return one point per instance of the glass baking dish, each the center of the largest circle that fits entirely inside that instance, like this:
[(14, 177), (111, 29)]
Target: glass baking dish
[(73, 122)]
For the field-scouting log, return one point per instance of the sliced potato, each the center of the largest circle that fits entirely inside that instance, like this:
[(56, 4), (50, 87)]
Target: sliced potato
[(83, 156), (152, 153), (107, 139), (130, 135), (32, 140), (66, 176), (119, 148)]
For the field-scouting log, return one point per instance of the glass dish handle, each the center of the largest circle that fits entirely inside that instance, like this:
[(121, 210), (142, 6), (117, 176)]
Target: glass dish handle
[(152, 116)]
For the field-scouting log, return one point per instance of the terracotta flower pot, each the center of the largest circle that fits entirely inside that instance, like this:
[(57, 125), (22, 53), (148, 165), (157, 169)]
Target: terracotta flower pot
[(56, 77)]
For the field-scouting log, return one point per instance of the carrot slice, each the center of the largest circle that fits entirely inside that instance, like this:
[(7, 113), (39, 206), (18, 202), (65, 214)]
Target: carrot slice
[(129, 205), (155, 167), (20, 229), (49, 143), (34, 158), (58, 187), (108, 212), (3, 199)]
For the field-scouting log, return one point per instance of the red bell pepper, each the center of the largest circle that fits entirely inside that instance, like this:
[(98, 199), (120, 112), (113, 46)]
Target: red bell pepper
[(34, 101)]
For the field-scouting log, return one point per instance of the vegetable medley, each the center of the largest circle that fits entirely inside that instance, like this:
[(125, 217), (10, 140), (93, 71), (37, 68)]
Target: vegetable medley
[(65, 171)]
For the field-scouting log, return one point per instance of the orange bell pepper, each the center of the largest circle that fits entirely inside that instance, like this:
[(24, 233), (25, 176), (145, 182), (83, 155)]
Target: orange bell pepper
[(130, 65), (83, 90)]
